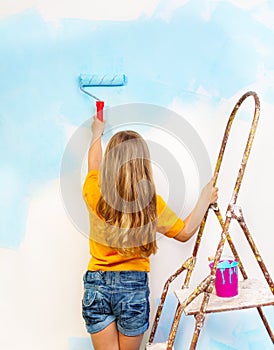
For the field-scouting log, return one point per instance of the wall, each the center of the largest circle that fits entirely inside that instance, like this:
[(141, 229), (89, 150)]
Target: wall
[(192, 59)]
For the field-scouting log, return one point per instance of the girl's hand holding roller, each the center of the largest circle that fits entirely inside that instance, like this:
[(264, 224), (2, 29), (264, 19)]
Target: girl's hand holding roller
[(97, 128)]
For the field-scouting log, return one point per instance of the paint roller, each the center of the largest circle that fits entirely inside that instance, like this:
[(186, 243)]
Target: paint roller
[(95, 80)]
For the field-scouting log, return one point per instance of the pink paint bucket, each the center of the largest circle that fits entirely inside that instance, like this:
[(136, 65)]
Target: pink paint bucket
[(226, 283)]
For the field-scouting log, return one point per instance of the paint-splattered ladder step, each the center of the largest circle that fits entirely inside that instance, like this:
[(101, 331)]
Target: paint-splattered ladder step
[(252, 293)]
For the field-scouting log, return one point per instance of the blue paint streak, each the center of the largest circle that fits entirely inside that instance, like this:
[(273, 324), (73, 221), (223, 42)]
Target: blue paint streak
[(232, 266)]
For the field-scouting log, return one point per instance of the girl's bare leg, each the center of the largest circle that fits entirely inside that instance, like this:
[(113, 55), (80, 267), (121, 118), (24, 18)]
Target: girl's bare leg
[(107, 339), (130, 343)]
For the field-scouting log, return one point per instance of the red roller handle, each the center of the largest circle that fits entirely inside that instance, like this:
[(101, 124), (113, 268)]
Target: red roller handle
[(100, 107)]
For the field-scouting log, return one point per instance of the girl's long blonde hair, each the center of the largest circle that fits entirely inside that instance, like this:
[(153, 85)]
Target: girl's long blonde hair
[(128, 198)]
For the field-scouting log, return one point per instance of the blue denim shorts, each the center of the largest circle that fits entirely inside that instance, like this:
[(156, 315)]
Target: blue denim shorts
[(116, 296)]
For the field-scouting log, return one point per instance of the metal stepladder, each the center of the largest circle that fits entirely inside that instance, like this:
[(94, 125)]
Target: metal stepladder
[(202, 300)]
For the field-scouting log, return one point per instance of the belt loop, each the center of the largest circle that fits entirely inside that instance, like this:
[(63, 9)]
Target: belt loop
[(107, 277), (117, 277)]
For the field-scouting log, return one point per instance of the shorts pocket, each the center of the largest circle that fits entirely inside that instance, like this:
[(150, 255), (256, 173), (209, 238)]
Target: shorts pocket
[(134, 314), (89, 297), (92, 304)]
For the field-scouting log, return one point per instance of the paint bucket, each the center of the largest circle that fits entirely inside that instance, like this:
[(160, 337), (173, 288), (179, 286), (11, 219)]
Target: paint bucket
[(226, 283)]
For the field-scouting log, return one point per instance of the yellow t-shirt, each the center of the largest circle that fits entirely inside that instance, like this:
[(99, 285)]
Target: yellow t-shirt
[(106, 258)]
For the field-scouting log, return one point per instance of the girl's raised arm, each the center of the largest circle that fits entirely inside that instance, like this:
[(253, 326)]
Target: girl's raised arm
[(95, 149)]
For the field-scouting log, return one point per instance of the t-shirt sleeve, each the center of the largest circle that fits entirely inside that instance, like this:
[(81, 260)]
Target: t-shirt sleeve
[(169, 223), (91, 189)]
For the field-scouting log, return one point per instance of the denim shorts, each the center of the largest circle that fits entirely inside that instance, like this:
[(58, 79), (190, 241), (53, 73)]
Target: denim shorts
[(116, 296)]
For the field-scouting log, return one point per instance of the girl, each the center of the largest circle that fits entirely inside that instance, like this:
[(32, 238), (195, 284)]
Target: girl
[(125, 214)]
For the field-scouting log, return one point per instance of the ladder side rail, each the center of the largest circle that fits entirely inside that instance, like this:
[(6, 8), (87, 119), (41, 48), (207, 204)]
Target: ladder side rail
[(187, 265)]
